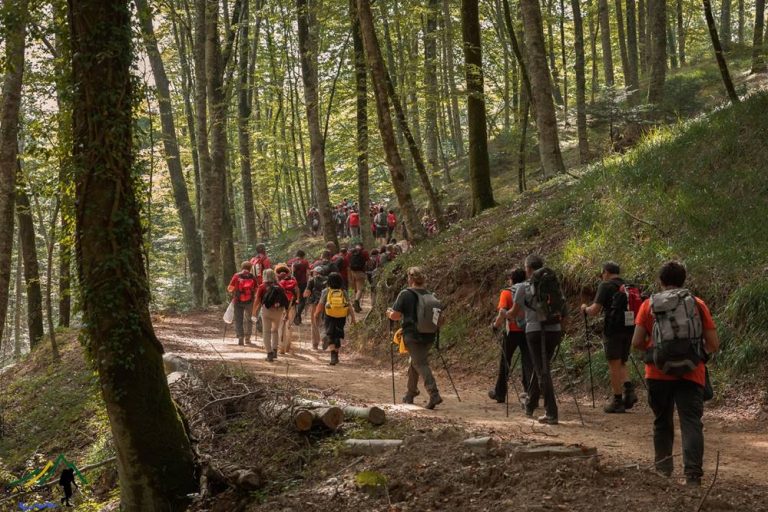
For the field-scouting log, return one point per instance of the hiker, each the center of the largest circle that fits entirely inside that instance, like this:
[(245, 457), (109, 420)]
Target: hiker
[(66, 481), (391, 224), (314, 221), (291, 288), (358, 261), (242, 287), (260, 263), (406, 309), (670, 323), (342, 261), (380, 221), (371, 270), (354, 224), (334, 304), (514, 337), (300, 270), (543, 332), (315, 287), (613, 298), (273, 304)]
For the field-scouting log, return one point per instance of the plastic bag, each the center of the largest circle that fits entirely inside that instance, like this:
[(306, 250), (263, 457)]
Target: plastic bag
[(229, 314)]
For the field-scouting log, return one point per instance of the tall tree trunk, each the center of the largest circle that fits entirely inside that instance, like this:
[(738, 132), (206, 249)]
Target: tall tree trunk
[(192, 246), (622, 44), (449, 64), (672, 43), (17, 343), (634, 76), (391, 153), (415, 111), (595, 86), (479, 164), (541, 89), (725, 25), (642, 35), (563, 61), (680, 33), (719, 53), (581, 82), (740, 33), (15, 31), (605, 40), (243, 131), (758, 53), (526, 102), (657, 25), (154, 456), (361, 97), (307, 23), (31, 268), (552, 62), (430, 85)]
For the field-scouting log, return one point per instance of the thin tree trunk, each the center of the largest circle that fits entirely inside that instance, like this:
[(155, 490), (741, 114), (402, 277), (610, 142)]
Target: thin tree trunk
[(28, 252), (17, 343), (479, 164), (595, 86), (680, 33), (740, 34), (521, 181), (672, 42), (725, 25), (192, 246), (391, 153), (758, 53), (449, 64), (15, 31), (634, 75), (552, 62), (541, 88), (564, 63), (642, 35), (243, 132), (430, 84), (581, 82), (156, 471), (721, 63), (657, 24), (605, 40), (307, 24), (622, 44)]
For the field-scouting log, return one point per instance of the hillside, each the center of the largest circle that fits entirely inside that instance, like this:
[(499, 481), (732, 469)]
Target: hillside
[(693, 191)]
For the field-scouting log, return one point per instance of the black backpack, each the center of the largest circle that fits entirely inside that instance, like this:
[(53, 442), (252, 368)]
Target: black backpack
[(620, 315), (548, 299), (275, 297), (381, 220), (318, 285), (357, 261)]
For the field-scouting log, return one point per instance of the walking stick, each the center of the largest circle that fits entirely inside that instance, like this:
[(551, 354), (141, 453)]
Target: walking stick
[(589, 357), (392, 359), (445, 365), (514, 386), (510, 369), (570, 383), (640, 375)]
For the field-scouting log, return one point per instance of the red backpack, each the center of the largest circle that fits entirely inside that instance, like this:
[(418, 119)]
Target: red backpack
[(246, 286), (625, 304), (288, 286)]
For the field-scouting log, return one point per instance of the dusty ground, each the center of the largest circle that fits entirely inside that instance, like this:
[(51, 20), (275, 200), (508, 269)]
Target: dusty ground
[(438, 477)]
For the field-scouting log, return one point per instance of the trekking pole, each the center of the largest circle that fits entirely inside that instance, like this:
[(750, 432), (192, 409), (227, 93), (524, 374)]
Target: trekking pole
[(445, 365), (589, 357), (224, 336), (392, 359), (570, 383), (514, 386), (640, 375)]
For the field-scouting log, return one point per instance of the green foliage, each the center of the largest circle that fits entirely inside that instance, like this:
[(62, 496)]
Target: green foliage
[(370, 479)]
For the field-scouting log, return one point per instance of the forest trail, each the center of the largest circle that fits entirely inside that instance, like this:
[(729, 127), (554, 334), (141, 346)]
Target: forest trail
[(624, 439)]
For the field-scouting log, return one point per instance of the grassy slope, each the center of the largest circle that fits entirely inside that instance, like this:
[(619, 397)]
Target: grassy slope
[(694, 191)]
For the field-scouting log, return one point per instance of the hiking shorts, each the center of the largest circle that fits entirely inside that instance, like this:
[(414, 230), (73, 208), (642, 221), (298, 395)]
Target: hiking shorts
[(381, 232), (618, 346)]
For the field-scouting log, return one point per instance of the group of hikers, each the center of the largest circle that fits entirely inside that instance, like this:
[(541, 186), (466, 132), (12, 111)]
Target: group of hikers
[(348, 222), (673, 329)]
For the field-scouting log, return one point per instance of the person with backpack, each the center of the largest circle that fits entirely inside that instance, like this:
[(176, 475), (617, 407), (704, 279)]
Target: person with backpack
[(66, 481), (291, 288), (358, 261), (273, 304), (354, 223), (382, 227), (419, 312), (616, 298), (391, 223), (514, 338), (300, 270), (260, 262), (334, 304), (546, 311), (676, 331), (242, 287), (312, 294)]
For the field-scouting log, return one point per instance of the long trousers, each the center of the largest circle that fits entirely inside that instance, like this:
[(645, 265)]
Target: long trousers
[(541, 357)]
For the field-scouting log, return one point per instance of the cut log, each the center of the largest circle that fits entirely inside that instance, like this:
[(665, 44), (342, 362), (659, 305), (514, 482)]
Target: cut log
[(479, 444), (303, 419), (542, 452), (375, 415), (328, 417), (370, 446)]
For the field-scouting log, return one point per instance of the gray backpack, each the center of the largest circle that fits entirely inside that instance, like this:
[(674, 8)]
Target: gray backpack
[(428, 312), (677, 332)]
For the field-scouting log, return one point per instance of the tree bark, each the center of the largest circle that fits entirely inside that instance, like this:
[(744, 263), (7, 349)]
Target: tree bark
[(634, 75), (391, 153), (657, 25), (430, 85), (552, 62), (541, 89), (642, 35), (28, 251), (594, 86), (672, 43), (15, 31), (725, 25), (758, 53), (155, 463), (581, 82), (680, 33), (719, 53), (479, 164), (622, 44), (449, 64), (740, 33), (192, 246), (243, 132), (605, 40), (307, 23)]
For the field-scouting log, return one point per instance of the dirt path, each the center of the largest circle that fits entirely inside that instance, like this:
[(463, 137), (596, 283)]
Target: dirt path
[(622, 439)]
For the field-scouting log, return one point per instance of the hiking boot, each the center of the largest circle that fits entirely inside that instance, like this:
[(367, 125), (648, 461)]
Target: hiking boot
[(240, 341), (434, 401), (334, 358), (247, 340), (616, 405), (547, 420), (630, 397), (408, 397), (357, 307), (270, 356), (693, 481), (326, 342), (274, 354), (492, 396), (297, 320)]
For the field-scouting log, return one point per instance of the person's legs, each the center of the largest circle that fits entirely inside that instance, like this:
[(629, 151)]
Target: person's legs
[(315, 328), (271, 320), (689, 399), (247, 324), (420, 363), (526, 367), (507, 348), (533, 340), (285, 329), (552, 340), (661, 400), (240, 310)]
